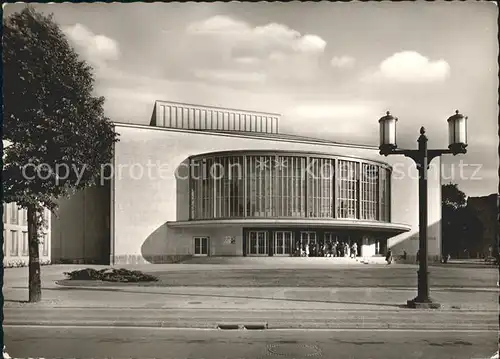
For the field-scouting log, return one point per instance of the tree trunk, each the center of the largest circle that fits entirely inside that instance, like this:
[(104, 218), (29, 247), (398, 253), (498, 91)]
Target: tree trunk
[(34, 280)]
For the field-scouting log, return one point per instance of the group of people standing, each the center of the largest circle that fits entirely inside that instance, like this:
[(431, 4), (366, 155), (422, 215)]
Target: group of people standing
[(327, 249)]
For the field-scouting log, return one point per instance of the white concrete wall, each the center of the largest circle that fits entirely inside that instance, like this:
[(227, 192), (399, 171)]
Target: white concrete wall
[(144, 202), (404, 204), (81, 227), (183, 242)]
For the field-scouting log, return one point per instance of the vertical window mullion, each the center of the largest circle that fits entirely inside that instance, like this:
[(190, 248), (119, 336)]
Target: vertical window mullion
[(229, 187), (269, 186), (303, 185), (286, 172), (200, 189), (258, 186), (294, 185), (224, 196), (220, 160), (283, 190), (262, 187), (315, 181), (213, 191), (263, 183), (251, 184), (253, 188), (363, 195), (194, 182), (217, 189)]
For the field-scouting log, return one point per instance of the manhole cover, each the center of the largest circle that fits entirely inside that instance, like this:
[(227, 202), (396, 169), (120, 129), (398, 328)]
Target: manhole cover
[(294, 350)]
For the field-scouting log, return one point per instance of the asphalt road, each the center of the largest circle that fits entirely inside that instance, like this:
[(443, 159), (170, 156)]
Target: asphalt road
[(335, 276), (118, 343)]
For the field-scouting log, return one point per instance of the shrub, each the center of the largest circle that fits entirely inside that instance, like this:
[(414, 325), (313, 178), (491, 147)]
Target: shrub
[(18, 263), (111, 275)]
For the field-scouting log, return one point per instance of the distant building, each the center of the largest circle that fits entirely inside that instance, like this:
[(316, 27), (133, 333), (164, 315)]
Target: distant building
[(15, 236), (485, 209), (213, 181)]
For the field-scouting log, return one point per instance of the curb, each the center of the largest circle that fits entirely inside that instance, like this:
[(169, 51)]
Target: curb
[(402, 309), (97, 287), (174, 324), (195, 291)]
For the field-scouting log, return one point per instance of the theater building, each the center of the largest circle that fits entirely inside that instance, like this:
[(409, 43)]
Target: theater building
[(206, 181)]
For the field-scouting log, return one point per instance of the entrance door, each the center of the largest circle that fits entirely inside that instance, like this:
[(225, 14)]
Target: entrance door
[(201, 246), (283, 243), (330, 237), (309, 238), (257, 243)]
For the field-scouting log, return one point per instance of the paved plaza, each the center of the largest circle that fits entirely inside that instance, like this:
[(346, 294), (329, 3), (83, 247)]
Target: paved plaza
[(288, 272)]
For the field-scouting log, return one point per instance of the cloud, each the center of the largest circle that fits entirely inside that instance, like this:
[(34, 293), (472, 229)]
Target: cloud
[(96, 49), (130, 96), (268, 52), (412, 67), (270, 35), (310, 43), (342, 61), (218, 24), (225, 75), (247, 60)]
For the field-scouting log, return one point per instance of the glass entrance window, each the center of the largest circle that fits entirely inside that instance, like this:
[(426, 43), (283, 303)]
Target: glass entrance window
[(201, 246), (287, 185), (257, 243), (262, 242), (283, 243)]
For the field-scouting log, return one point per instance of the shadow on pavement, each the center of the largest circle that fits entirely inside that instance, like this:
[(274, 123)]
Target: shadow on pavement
[(224, 296)]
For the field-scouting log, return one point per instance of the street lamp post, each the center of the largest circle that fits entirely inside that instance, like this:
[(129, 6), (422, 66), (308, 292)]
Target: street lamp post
[(457, 129)]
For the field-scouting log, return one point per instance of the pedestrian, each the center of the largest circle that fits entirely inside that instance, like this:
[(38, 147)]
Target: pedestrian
[(388, 256)]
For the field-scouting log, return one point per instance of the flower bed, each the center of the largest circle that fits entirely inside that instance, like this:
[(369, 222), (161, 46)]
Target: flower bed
[(110, 275)]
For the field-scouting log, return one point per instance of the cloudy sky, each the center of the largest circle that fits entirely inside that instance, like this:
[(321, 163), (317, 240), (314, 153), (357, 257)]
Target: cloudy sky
[(331, 69)]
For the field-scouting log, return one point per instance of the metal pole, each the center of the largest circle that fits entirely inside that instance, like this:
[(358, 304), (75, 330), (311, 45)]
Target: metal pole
[(423, 274)]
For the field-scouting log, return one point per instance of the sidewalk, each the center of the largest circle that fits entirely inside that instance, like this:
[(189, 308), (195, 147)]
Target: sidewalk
[(277, 298), (188, 307), (278, 307)]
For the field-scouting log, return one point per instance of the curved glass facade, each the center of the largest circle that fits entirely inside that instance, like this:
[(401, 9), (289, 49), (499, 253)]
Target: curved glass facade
[(288, 185)]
